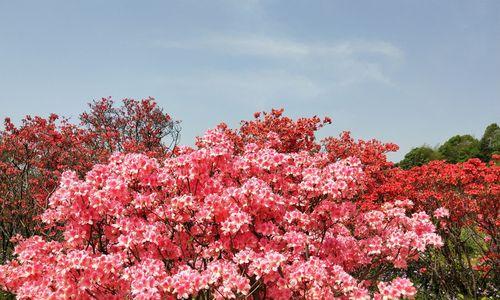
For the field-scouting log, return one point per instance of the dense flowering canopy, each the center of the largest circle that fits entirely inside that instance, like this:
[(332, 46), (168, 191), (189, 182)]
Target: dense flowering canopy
[(469, 190), (467, 194), (34, 154), (236, 216)]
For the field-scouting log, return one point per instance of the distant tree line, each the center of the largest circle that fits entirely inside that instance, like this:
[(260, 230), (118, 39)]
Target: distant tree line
[(458, 148)]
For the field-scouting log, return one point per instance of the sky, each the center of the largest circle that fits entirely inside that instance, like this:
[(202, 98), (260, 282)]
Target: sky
[(408, 72)]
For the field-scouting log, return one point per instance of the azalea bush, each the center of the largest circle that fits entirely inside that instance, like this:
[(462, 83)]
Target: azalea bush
[(236, 216), (264, 212)]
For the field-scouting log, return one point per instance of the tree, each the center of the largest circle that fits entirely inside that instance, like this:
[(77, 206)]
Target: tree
[(460, 148), (135, 126), (34, 154), (237, 216), (490, 142), (419, 156)]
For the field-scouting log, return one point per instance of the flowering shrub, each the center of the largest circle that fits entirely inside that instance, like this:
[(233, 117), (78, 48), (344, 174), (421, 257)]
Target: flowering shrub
[(262, 212), (462, 197), (32, 157), (237, 216), (469, 191), (465, 196)]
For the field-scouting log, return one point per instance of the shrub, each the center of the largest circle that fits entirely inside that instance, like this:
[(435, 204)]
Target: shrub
[(237, 216)]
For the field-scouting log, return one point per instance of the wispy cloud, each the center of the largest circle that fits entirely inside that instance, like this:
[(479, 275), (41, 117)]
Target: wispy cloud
[(276, 67), (285, 48)]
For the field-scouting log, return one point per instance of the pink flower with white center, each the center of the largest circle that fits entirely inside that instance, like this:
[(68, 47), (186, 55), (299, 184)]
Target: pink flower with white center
[(235, 221), (266, 264), (441, 213), (396, 289), (244, 256)]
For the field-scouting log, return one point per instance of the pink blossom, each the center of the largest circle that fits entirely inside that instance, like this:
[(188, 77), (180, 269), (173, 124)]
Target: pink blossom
[(221, 219), (441, 213)]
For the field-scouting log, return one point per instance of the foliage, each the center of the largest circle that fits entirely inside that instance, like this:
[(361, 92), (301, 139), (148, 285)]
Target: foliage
[(419, 156), (490, 142), (459, 148)]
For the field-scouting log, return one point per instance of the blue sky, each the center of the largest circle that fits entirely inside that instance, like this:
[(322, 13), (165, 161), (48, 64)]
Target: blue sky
[(410, 72)]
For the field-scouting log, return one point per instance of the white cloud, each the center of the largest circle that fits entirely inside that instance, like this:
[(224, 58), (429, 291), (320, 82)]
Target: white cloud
[(258, 46), (366, 47), (274, 47), (322, 67)]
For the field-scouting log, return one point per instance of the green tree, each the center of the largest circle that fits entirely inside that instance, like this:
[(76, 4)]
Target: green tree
[(419, 156), (460, 148), (490, 142)]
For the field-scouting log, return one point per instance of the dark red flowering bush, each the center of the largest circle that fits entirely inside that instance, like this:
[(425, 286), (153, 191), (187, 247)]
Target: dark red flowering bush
[(469, 191), (467, 194), (32, 158), (379, 186), (290, 135)]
